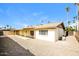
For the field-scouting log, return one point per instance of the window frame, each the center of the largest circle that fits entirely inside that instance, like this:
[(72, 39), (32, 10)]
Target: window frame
[(43, 32)]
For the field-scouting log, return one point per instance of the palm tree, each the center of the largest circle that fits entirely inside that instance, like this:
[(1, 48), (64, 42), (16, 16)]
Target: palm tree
[(42, 21), (67, 10), (69, 23), (48, 22), (77, 10), (75, 18), (75, 21), (7, 25)]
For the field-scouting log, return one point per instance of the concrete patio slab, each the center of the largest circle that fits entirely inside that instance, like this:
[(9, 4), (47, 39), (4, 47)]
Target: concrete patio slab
[(69, 47)]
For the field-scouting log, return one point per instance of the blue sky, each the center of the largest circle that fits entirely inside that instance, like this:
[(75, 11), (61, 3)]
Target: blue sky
[(19, 15)]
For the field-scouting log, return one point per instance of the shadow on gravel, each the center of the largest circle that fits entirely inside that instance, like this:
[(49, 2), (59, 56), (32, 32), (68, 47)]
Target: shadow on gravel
[(8, 47)]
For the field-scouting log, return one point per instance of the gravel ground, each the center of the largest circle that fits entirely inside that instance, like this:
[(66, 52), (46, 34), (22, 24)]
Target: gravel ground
[(8, 47)]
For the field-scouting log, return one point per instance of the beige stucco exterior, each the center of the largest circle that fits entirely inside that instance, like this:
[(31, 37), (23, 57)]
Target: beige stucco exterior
[(49, 37), (53, 34), (24, 32), (8, 32)]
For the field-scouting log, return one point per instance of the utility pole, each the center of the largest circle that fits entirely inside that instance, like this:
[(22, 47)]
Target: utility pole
[(77, 16)]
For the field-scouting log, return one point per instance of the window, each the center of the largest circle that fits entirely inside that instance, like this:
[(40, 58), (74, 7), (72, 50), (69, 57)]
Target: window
[(43, 32)]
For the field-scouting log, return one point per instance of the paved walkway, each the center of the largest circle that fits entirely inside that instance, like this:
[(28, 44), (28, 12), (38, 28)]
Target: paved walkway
[(9, 47), (69, 47)]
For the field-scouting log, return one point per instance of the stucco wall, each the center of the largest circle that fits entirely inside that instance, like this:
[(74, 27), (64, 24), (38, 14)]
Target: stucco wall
[(49, 37), (25, 32), (59, 33), (8, 33), (56, 35), (53, 35)]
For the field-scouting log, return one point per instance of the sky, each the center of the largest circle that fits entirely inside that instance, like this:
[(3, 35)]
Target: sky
[(19, 15)]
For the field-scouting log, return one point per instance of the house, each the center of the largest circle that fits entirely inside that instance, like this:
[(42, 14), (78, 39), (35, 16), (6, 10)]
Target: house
[(49, 32), (27, 32), (17, 32)]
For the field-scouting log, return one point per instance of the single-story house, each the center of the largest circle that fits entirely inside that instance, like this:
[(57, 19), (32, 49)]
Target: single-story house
[(49, 32), (17, 32), (27, 32)]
